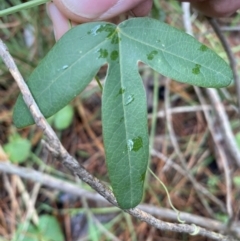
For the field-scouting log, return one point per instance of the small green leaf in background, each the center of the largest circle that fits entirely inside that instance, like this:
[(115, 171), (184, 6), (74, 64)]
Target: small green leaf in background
[(31, 234), (18, 149), (47, 230), (63, 119), (75, 60), (237, 138), (236, 181), (50, 228), (221, 217), (93, 230)]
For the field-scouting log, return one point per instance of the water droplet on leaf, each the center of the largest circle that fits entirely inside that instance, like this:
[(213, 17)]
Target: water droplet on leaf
[(94, 30), (130, 99), (135, 144), (130, 145), (65, 67)]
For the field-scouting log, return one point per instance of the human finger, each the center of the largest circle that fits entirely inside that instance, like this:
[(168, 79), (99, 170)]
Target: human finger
[(90, 10), (217, 8)]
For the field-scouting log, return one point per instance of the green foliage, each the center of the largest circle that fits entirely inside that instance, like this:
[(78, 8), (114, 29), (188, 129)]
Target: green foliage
[(221, 217), (236, 181), (63, 119), (18, 149), (77, 57), (48, 229), (237, 138)]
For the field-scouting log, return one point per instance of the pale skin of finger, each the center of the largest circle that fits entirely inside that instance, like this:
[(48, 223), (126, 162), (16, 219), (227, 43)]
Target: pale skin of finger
[(59, 20), (216, 8), (92, 10), (80, 11)]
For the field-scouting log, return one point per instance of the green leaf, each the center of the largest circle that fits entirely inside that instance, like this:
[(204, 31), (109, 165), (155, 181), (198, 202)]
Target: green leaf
[(63, 119), (236, 181), (124, 117), (50, 228), (31, 234), (77, 57), (237, 138), (18, 149)]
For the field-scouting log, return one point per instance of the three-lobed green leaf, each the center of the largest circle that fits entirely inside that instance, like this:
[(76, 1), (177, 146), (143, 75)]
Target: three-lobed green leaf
[(77, 57)]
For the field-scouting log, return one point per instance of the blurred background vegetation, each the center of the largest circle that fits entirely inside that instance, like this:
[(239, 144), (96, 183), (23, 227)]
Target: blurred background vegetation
[(185, 145)]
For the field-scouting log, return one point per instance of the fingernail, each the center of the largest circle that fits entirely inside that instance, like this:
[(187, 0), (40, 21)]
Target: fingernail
[(88, 9)]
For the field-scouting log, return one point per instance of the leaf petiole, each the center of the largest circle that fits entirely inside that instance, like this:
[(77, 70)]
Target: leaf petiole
[(99, 83), (22, 6)]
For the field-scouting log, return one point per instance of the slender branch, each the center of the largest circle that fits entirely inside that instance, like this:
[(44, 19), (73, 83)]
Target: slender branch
[(231, 58), (68, 161), (179, 153), (74, 189), (228, 138), (22, 6), (184, 172), (220, 111)]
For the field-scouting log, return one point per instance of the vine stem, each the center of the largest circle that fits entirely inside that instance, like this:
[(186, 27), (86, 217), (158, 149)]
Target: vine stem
[(22, 6)]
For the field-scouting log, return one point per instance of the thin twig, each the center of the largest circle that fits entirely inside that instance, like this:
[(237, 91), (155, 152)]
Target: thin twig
[(76, 190), (231, 58), (229, 141), (68, 161), (222, 155), (224, 123), (183, 172), (179, 153), (184, 109), (220, 112)]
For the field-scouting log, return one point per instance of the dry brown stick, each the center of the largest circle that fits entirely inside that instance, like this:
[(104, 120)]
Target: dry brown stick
[(31, 213), (76, 190), (29, 202), (224, 123), (68, 161), (14, 204), (220, 111), (87, 126), (179, 153), (221, 153), (232, 59), (230, 143), (184, 172)]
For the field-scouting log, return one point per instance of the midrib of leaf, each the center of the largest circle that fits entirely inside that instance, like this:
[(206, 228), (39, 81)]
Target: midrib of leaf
[(124, 111), (170, 53)]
